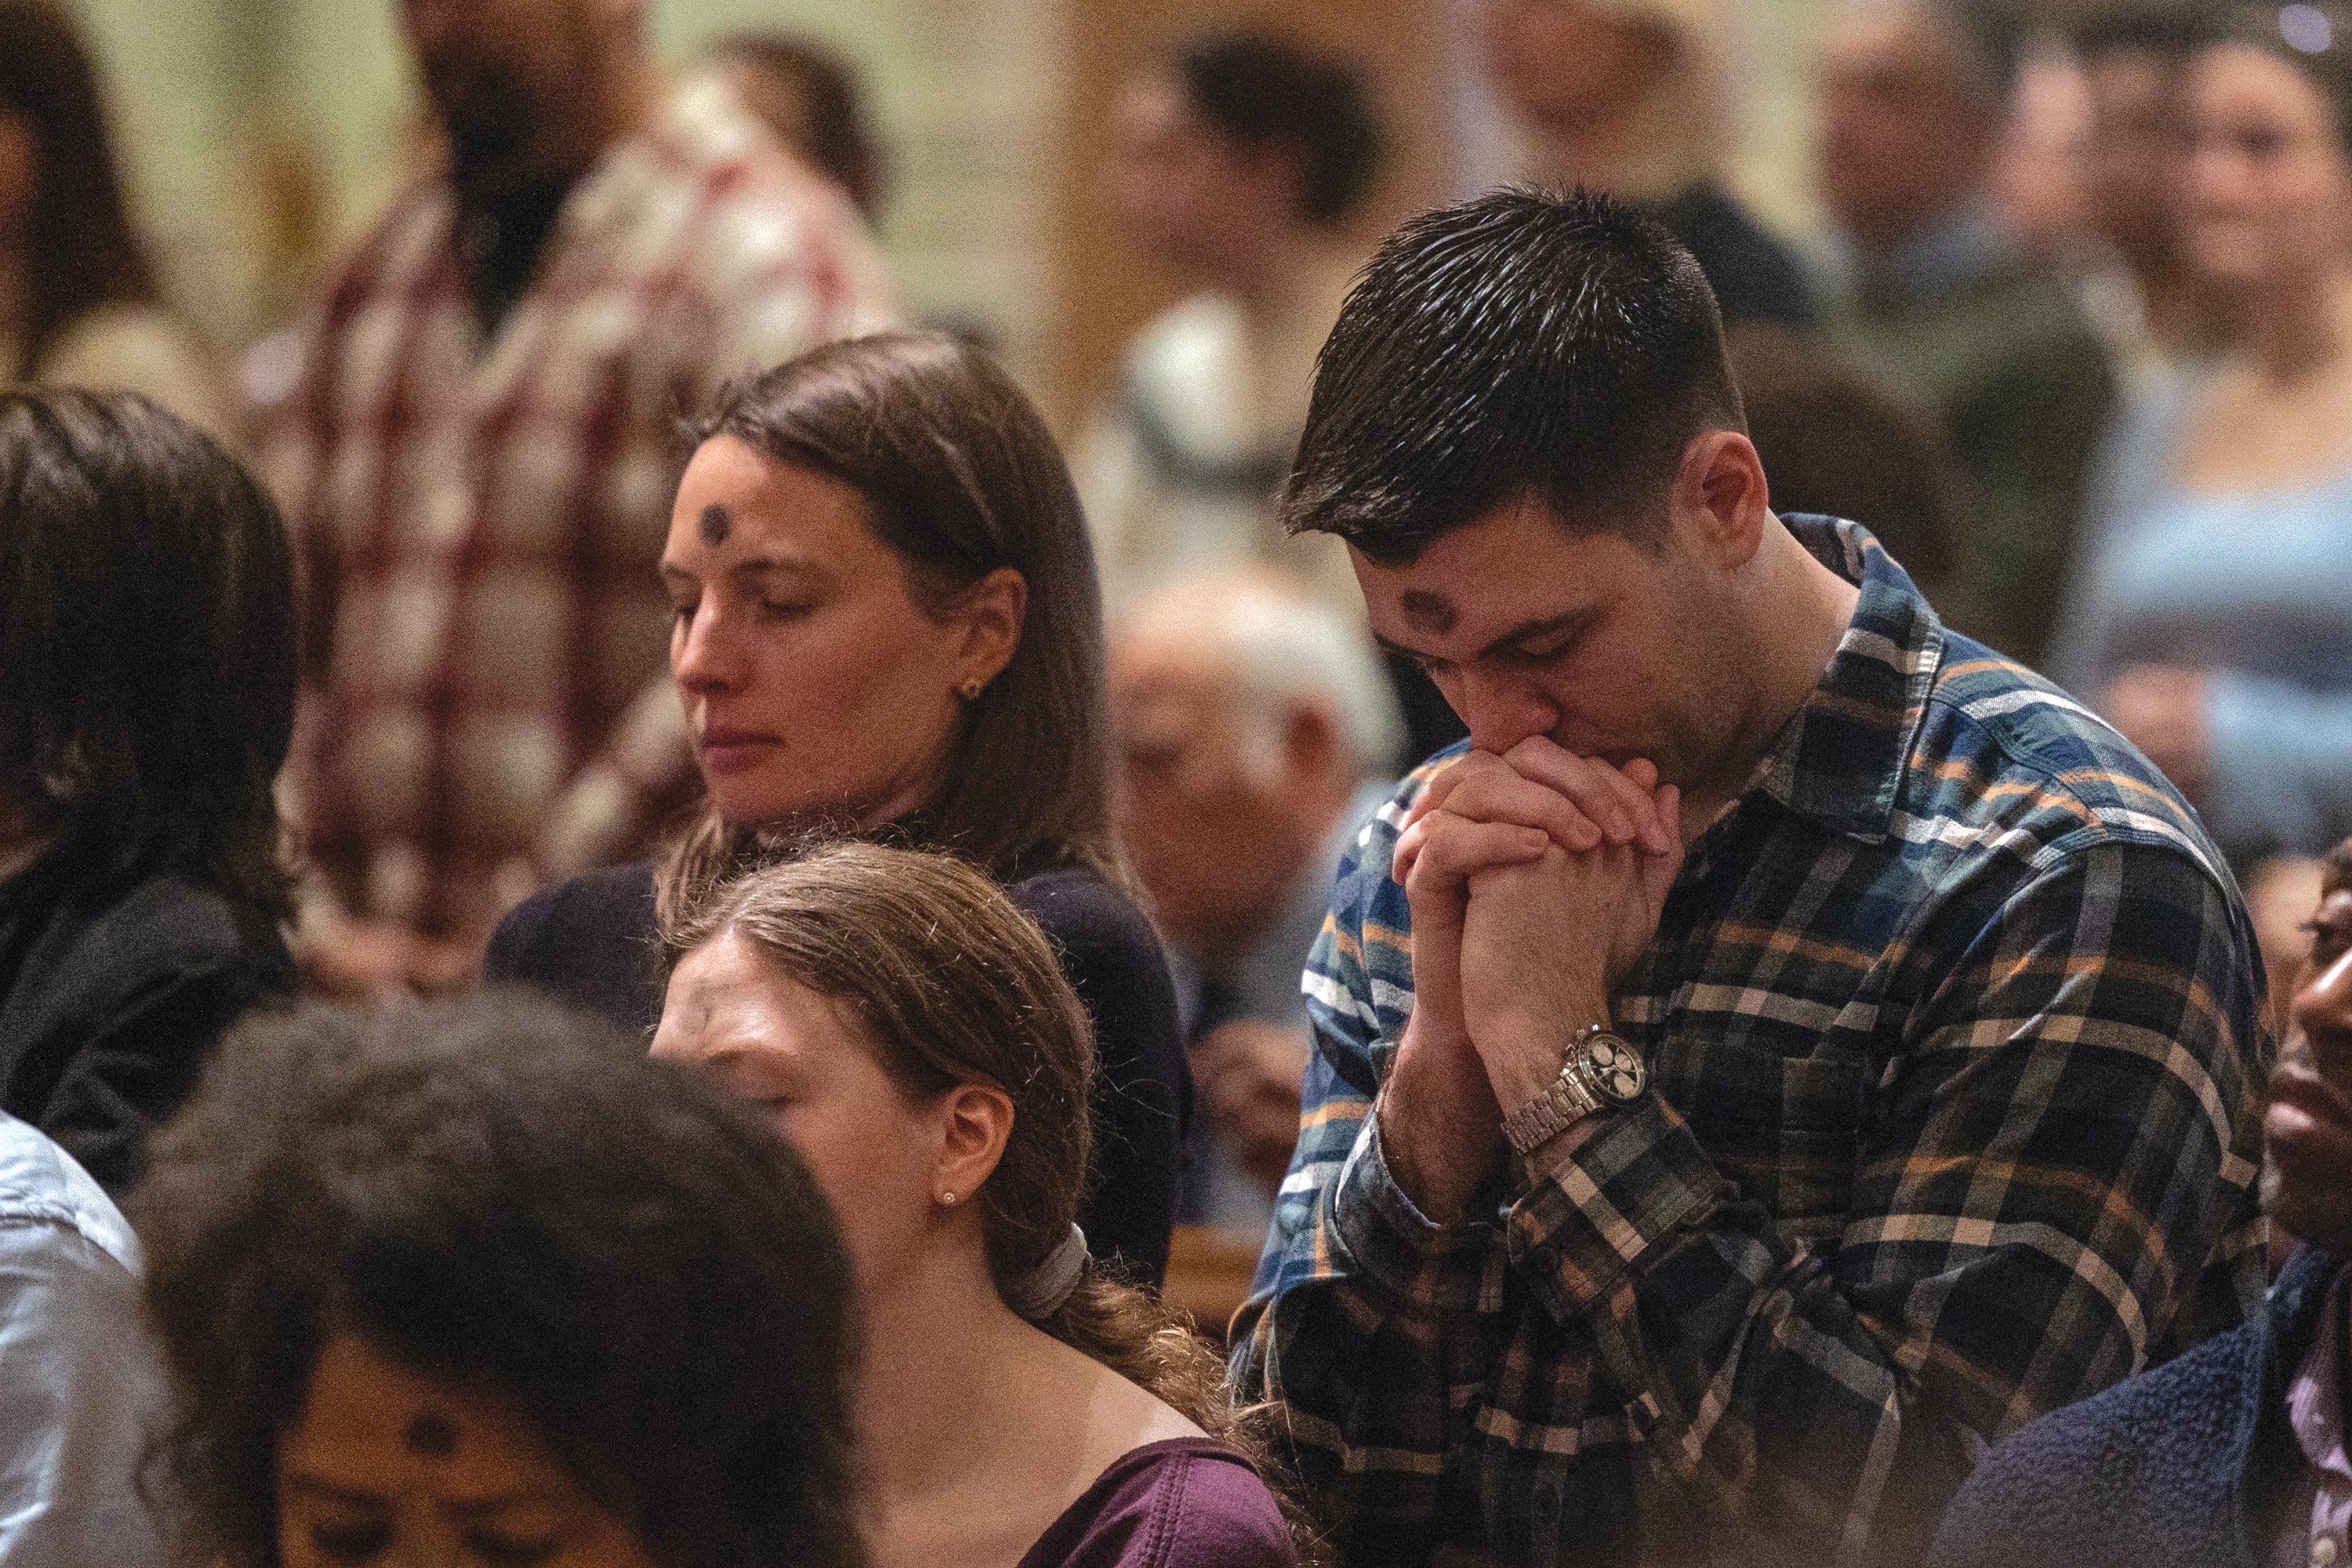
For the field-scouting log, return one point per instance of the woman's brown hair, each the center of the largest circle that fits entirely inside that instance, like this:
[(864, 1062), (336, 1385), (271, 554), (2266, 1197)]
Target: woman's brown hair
[(82, 252), (959, 478), (953, 985)]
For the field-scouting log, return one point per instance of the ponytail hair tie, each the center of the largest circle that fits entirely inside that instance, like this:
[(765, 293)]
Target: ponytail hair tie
[(1040, 1292)]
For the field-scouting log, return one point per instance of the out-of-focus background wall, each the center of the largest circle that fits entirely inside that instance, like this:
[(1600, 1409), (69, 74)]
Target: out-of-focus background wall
[(260, 132)]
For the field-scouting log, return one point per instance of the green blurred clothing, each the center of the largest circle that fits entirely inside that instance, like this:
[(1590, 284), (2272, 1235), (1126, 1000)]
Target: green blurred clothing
[(2022, 385)]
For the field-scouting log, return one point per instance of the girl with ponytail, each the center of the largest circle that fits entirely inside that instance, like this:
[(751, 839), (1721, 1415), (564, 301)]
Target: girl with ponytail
[(1017, 1403)]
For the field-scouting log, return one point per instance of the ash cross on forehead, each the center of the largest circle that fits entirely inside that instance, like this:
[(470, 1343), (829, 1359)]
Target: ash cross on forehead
[(716, 525), (432, 1434)]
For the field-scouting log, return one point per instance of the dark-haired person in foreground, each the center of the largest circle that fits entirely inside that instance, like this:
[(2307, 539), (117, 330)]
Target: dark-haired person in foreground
[(470, 1285), (146, 703), (1785, 1047), (2232, 1456)]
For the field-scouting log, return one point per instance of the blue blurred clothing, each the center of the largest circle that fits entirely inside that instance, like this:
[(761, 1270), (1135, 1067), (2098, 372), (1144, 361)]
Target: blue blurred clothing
[(2255, 588), (2194, 1462), (81, 1386)]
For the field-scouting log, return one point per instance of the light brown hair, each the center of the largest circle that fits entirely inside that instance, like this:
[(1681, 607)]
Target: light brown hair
[(953, 985), (959, 478)]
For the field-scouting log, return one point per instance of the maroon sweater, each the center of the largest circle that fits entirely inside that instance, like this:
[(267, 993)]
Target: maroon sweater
[(1184, 1503)]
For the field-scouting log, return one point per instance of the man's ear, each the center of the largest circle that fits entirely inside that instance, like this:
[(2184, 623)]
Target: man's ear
[(977, 1122), (1720, 488), (991, 612)]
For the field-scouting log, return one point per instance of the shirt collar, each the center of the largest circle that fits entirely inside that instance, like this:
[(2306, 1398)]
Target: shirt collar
[(1840, 758), (2313, 1402)]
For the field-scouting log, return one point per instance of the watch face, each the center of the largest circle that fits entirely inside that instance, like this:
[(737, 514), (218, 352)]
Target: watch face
[(1616, 1068)]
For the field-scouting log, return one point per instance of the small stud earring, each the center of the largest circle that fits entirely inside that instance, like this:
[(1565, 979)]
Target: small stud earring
[(972, 689), (947, 1198)]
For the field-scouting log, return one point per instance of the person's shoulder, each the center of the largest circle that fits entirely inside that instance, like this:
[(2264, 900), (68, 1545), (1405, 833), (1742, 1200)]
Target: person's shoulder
[(583, 914), (156, 920), (2004, 749), (1184, 1502), (1080, 908), (2131, 1468), (43, 1188), (747, 212)]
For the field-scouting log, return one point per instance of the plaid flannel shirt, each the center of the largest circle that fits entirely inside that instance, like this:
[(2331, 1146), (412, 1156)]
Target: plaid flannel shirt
[(482, 519), (1953, 1021)]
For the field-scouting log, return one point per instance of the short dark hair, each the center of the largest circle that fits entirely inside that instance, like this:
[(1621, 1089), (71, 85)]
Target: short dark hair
[(960, 477), (2173, 34), (85, 254), (1519, 345), (147, 632), (1267, 91), (499, 1194)]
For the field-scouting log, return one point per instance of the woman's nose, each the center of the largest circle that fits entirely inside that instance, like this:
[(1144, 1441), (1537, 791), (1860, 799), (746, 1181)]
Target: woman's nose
[(704, 658)]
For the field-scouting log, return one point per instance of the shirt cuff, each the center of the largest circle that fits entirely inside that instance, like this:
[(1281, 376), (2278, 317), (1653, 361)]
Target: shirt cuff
[(1601, 1204), (1394, 1243)]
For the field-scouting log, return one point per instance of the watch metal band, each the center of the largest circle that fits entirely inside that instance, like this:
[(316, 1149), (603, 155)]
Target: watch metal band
[(1584, 1086)]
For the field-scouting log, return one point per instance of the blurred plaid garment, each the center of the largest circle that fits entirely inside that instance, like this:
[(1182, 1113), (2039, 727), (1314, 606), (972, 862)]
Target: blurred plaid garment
[(1954, 1018), (483, 521)]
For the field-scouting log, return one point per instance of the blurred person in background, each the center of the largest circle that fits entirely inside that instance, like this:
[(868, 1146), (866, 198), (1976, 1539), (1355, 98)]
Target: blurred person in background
[(1256, 730), (1637, 97), (811, 100), (2147, 301), (1838, 442), (2212, 620), (82, 1383), (1915, 99), (2232, 1456), (78, 304), (476, 452), (1234, 166), (468, 1285), (147, 680), (885, 624), (911, 1033)]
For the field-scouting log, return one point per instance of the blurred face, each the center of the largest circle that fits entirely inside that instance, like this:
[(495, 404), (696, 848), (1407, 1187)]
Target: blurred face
[(387, 1466), (816, 687), (1901, 140), (1569, 64), (2310, 1120), (499, 71), (2268, 195), (1187, 194), (1606, 648), (2133, 162), (811, 1068), (1204, 820)]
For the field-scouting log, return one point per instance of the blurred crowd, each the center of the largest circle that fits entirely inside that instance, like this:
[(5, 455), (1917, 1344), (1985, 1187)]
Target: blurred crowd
[(635, 532)]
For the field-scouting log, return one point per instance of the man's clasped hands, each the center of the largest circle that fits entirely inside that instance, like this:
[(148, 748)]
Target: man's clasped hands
[(1535, 878)]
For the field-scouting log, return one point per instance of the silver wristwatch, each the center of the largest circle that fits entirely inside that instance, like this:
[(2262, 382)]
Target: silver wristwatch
[(1600, 1070)]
